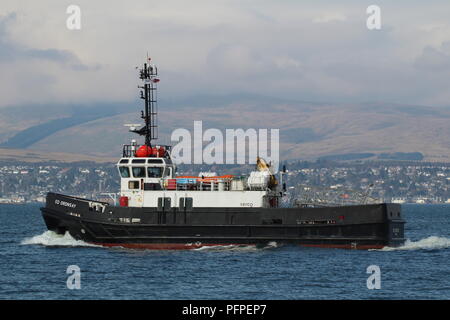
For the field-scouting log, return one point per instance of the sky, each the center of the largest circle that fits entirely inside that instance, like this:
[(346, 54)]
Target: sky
[(305, 50)]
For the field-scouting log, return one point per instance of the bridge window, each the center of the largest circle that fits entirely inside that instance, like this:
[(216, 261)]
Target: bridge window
[(133, 184), (138, 172), (168, 172), (154, 172), (124, 172), (152, 186), (155, 161)]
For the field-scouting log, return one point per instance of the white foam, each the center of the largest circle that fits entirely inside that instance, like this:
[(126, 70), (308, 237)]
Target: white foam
[(237, 247), (217, 248), (429, 243), (52, 239)]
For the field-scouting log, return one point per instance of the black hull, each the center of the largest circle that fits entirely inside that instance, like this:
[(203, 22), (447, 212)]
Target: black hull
[(358, 227)]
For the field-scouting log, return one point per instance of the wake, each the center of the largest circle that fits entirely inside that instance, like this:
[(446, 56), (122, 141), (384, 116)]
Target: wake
[(52, 239), (235, 247), (430, 243)]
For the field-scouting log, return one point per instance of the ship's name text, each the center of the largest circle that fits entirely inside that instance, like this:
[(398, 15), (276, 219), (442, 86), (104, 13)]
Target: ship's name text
[(65, 204)]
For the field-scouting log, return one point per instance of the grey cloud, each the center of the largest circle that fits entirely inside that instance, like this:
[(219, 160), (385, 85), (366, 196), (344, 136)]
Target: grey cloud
[(261, 47), (13, 51), (61, 56), (434, 60), (5, 21)]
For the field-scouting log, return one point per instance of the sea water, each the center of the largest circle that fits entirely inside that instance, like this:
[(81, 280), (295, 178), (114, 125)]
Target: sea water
[(34, 264)]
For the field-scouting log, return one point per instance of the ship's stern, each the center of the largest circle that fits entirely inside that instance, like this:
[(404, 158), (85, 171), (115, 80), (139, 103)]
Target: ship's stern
[(395, 225)]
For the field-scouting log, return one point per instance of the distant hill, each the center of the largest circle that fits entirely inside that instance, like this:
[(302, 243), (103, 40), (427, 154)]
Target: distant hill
[(307, 130), (25, 125), (25, 155)]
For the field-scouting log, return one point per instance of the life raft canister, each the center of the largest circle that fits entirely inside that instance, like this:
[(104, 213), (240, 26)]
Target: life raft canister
[(144, 151), (159, 151)]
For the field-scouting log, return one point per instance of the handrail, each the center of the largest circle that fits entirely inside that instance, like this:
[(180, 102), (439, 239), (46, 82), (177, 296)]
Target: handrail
[(129, 150)]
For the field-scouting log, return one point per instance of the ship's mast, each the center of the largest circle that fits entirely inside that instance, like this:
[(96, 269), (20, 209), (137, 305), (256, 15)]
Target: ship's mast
[(148, 75)]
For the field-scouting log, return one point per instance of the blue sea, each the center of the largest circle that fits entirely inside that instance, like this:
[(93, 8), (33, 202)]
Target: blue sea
[(34, 262)]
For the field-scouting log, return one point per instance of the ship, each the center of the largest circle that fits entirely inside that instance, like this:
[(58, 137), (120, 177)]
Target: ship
[(158, 209)]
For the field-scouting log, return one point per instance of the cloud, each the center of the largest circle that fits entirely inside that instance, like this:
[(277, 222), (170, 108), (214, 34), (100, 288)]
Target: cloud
[(37, 75), (319, 51), (434, 60), (330, 17), (284, 62), (11, 51)]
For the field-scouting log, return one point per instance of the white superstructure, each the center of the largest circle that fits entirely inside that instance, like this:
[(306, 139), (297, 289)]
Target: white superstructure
[(152, 182), (148, 176)]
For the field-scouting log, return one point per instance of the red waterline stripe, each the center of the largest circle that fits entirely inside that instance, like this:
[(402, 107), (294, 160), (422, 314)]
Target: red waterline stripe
[(167, 246), (345, 246), (185, 246)]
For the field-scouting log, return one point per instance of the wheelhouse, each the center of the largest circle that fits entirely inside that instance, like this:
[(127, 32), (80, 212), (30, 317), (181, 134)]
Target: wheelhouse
[(146, 168)]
